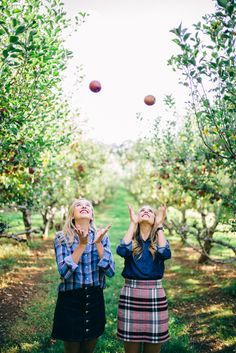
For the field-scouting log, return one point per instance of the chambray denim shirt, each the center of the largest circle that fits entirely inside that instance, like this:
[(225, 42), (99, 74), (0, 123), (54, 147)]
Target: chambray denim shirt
[(145, 267), (90, 270)]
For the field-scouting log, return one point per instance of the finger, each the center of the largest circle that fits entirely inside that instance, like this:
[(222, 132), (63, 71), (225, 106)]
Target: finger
[(107, 228)]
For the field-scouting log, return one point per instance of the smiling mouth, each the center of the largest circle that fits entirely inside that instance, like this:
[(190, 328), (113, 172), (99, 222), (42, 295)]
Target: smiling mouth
[(84, 211), (146, 214)]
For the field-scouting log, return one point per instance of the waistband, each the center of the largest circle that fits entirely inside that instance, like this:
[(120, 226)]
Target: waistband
[(136, 283), (83, 290)]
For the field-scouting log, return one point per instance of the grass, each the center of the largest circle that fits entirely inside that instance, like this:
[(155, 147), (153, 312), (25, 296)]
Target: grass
[(14, 220), (31, 332)]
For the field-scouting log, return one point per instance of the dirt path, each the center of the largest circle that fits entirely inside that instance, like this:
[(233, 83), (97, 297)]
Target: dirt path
[(18, 286)]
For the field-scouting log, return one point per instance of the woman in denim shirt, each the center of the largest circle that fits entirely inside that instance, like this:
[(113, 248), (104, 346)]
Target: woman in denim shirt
[(84, 259), (143, 308)]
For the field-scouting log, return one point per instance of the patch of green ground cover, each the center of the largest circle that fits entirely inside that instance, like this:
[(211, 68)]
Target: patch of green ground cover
[(222, 252), (230, 288), (14, 255), (15, 222), (10, 252), (206, 298), (31, 333)]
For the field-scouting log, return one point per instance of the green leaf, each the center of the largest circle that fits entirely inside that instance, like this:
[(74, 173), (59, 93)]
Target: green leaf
[(2, 32), (222, 3), (5, 53), (178, 30), (14, 22), (176, 40), (186, 36), (17, 11), (20, 29), (31, 35), (14, 39), (230, 9)]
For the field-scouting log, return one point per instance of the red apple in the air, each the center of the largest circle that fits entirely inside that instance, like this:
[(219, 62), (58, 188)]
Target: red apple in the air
[(95, 86), (149, 100)]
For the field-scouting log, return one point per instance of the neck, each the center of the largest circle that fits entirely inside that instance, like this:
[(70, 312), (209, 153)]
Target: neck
[(145, 230), (83, 223)]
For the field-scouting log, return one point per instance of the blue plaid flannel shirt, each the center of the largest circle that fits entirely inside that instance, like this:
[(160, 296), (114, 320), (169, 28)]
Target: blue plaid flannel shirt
[(90, 271)]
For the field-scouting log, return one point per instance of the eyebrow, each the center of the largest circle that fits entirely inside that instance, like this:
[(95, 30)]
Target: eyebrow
[(79, 203), (149, 209)]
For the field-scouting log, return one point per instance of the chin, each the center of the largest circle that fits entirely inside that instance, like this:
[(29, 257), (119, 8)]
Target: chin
[(85, 216)]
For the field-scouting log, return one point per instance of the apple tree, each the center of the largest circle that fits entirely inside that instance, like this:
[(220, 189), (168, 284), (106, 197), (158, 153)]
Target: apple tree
[(208, 67), (33, 114), (175, 168)]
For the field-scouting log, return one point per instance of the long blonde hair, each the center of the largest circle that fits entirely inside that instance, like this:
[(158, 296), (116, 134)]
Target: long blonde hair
[(137, 242), (68, 228)]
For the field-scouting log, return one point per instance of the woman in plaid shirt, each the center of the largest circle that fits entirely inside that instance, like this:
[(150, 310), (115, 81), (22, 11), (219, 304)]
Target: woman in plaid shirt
[(84, 259)]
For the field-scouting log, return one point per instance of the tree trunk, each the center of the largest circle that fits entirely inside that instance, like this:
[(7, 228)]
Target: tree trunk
[(208, 233), (184, 226), (46, 230), (206, 249), (48, 217), (64, 212), (26, 214)]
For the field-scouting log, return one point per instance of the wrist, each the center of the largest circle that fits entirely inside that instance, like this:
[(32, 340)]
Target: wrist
[(133, 225), (82, 245)]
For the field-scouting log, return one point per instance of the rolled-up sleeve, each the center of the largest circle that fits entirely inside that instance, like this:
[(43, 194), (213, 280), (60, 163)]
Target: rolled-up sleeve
[(164, 251), (124, 250), (65, 264), (107, 263)]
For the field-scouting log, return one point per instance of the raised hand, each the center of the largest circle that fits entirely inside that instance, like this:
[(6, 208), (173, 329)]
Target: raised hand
[(83, 235), (100, 233), (161, 214), (133, 216)]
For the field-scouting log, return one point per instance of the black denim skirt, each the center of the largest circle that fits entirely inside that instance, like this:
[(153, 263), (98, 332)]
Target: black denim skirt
[(79, 315)]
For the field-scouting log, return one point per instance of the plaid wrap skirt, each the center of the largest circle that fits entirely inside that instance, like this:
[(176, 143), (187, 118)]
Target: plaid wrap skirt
[(143, 312)]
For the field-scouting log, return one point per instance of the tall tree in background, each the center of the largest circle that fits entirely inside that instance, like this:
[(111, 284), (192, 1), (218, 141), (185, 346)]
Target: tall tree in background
[(208, 65), (33, 114)]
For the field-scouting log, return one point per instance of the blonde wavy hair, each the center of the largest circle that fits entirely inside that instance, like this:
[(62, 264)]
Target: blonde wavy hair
[(68, 228), (137, 242)]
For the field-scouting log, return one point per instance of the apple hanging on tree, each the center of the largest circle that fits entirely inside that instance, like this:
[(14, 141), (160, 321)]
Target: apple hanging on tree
[(31, 170)]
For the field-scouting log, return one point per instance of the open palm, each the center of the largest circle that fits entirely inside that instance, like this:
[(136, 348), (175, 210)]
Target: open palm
[(161, 214), (133, 216), (100, 233)]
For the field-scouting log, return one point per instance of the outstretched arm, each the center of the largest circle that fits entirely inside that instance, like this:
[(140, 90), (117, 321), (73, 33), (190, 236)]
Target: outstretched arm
[(125, 247)]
